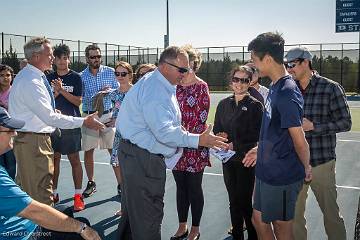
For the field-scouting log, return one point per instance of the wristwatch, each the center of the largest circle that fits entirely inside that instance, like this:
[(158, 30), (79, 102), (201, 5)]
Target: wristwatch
[(82, 228)]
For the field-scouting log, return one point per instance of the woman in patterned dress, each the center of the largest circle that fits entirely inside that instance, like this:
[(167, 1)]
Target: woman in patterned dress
[(194, 102), (124, 75)]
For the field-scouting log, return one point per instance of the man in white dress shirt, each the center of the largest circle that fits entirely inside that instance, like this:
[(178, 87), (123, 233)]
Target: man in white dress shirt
[(32, 101)]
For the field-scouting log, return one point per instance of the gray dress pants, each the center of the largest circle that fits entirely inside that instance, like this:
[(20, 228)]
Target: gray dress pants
[(144, 176)]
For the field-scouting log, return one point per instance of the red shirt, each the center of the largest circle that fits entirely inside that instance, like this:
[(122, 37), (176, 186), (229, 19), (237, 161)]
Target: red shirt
[(194, 102)]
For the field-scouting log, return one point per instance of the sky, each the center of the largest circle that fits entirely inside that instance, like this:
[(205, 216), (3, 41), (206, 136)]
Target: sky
[(202, 23)]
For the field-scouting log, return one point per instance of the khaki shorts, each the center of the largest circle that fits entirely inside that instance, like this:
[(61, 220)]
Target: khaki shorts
[(102, 139)]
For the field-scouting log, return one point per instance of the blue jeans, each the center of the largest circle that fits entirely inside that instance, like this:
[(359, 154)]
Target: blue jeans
[(7, 160)]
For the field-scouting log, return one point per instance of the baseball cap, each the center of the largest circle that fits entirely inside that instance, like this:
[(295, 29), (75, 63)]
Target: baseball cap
[(298, 53), (9, 122)]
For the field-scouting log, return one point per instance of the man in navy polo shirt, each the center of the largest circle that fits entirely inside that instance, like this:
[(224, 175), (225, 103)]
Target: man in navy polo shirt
[(282, 157)]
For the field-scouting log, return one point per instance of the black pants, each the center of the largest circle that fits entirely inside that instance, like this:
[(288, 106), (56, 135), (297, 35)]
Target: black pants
[(189, 193), (239, 182), (144, 176), (46, 234)]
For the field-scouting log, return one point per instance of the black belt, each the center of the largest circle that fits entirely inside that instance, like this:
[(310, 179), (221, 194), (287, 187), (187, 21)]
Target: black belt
[(91, 112), (34, 133), (128, 142)]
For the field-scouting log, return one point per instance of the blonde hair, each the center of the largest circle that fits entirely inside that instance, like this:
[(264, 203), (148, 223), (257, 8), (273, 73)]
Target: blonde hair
[(194, 56)]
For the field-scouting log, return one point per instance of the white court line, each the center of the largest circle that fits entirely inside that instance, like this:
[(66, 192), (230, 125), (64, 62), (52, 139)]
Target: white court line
[(212, 174), (348, 187), (348, 140)]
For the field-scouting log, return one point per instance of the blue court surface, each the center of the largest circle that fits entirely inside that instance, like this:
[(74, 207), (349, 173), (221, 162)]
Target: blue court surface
[(100, 207)]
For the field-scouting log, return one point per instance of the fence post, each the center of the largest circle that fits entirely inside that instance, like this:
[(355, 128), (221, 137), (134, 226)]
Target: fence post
[(157, 55), (78, 50), (358, 90), (320, 63), (208, 64), (114, 58), (243, 54), (118, 52), (341, 64), (129, 53), (2, 46), (106, 54), (148, 57)]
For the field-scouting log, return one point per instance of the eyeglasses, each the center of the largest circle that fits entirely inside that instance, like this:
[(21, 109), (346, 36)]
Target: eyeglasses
[(180, 69), (96, 56), (241, 80), (8, 131), (123, 74)]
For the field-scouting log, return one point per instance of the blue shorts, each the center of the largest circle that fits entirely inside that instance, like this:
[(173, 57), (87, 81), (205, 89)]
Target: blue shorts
[(276, 202), (69, 141)]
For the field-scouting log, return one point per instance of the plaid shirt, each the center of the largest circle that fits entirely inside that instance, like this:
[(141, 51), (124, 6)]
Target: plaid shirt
[(105, 77), (326, 106)]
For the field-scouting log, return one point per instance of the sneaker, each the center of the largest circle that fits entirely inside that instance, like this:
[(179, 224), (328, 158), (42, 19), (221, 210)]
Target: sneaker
[(90, 189), (119, 189), (55, 198), (79, 204)]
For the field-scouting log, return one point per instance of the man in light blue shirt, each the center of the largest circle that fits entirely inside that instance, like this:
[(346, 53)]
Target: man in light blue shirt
[(150, 124)]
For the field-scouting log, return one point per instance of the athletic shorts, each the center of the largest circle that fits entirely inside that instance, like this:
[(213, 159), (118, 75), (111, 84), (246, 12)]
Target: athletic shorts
[(69, 141), (276, 202)]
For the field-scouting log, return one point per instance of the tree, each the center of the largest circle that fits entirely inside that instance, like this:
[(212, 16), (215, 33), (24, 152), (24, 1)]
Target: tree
[(10, 59)]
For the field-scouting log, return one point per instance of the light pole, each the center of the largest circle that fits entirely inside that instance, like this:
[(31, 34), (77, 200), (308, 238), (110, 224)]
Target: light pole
[(166, 37)]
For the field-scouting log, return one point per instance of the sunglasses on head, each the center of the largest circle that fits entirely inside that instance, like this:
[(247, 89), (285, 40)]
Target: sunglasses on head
[(96, 56), (180, 69), (123, 74), (292, 64), (240, 80)]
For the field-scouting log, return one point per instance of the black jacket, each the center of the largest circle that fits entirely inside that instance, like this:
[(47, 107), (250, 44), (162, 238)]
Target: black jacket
[(241, 122)]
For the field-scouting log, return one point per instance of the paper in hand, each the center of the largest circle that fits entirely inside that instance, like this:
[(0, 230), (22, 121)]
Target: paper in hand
[(172, 161), (222, 154)]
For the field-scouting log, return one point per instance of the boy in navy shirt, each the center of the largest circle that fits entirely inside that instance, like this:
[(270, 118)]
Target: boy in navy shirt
[(67, 86), (282, 156)]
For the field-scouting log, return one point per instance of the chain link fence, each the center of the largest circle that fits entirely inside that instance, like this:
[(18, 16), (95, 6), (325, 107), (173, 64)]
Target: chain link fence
[(337, 61)]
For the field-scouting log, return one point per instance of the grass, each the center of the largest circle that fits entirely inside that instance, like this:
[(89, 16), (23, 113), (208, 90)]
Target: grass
[(355, 117)]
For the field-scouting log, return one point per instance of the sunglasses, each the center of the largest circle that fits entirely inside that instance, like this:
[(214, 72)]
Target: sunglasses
[(142, 74), (180, 69), (292, 64), (96, 56), (240, 80), (123, 74)]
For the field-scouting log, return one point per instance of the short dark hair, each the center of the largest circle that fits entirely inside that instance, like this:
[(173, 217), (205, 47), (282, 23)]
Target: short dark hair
[(4, 67), (61, 49), (91, 47), (268, 43), (171, 53)]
